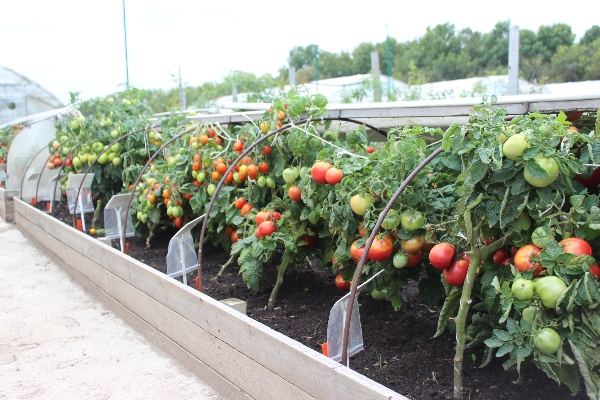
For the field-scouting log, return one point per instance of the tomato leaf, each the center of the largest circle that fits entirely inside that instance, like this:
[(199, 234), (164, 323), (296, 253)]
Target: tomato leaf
[(448, 309)]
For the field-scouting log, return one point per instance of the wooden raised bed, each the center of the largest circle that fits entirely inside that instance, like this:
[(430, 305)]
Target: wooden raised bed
[(7, 208), (236, 355)]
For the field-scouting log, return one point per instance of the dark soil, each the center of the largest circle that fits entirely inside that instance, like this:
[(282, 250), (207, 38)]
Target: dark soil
[(399, 352)]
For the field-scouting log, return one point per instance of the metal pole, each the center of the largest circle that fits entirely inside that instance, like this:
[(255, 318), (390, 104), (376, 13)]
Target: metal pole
[(317, 69), (513, 60), (388, 59), (126, 59)]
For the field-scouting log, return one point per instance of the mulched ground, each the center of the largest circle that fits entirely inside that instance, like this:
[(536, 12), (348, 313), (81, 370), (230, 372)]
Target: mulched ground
[(399, 352)]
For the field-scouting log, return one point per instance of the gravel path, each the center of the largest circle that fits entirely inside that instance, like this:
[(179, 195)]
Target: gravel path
[(58, 342)]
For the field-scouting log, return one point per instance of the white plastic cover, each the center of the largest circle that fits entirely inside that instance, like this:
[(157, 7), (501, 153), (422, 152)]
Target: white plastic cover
[(335, 326), (335, 329), (182, 257)]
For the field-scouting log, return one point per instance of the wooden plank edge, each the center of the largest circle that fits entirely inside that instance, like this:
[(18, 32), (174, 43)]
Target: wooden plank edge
[(270, 348), (222, 386), (236, 367)]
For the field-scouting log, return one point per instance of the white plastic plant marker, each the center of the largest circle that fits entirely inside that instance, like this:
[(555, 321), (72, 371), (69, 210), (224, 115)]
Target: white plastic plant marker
[(29, 188), (182, 257), (114, 218), (53, 192), (335, 326), (84, 201)]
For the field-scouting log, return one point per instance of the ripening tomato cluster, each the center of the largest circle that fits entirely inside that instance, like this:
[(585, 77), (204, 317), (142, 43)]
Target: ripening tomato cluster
[(266, 223), (323, 172), (208, 137)]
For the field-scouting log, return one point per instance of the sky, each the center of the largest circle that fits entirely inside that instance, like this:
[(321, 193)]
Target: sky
[(78, 45)]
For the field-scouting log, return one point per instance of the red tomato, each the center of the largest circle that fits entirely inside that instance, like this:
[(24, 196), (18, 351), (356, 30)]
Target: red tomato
[(246, 209), (263, 167), (595, 270), (310, 241), (276, 216), (261, 217), (440, 256), (499, 256), (179, 222), (341, 284), (414, 259), (252, 171), (457, 272), (318, 171), (592, 181), (267, 150), (576, 246), (381, 249), (238, 146), (235, 237), (239, 203), (266, 228), (370, 149), (333, 176), (356, 252), (295, 193), (523, 261)]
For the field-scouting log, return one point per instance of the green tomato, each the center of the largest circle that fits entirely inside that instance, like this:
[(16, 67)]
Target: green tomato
[(412, 219), (547, 340), (550, 288), (360, 204), (542, 236), (528, 314), (261, 181), (391, 221), (116, 161), (514, 147), (211, 189), (201, 176), (103, 159), (400, 260), (379, 295), (545, 130), (522, 289), (547, 164), (270, 182), (290, 175)]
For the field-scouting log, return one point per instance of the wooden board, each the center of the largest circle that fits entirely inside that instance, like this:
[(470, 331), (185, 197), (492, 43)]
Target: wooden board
[(7, 208), (219, 336)]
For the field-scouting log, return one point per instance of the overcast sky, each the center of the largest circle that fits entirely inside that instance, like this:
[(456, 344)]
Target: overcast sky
[(78, 45)]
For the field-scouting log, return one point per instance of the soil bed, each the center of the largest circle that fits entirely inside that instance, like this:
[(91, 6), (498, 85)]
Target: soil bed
[(399, 352)]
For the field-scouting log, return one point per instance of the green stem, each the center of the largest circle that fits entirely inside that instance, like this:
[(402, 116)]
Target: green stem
[(461, 319), (287, 257), (96, 212)]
